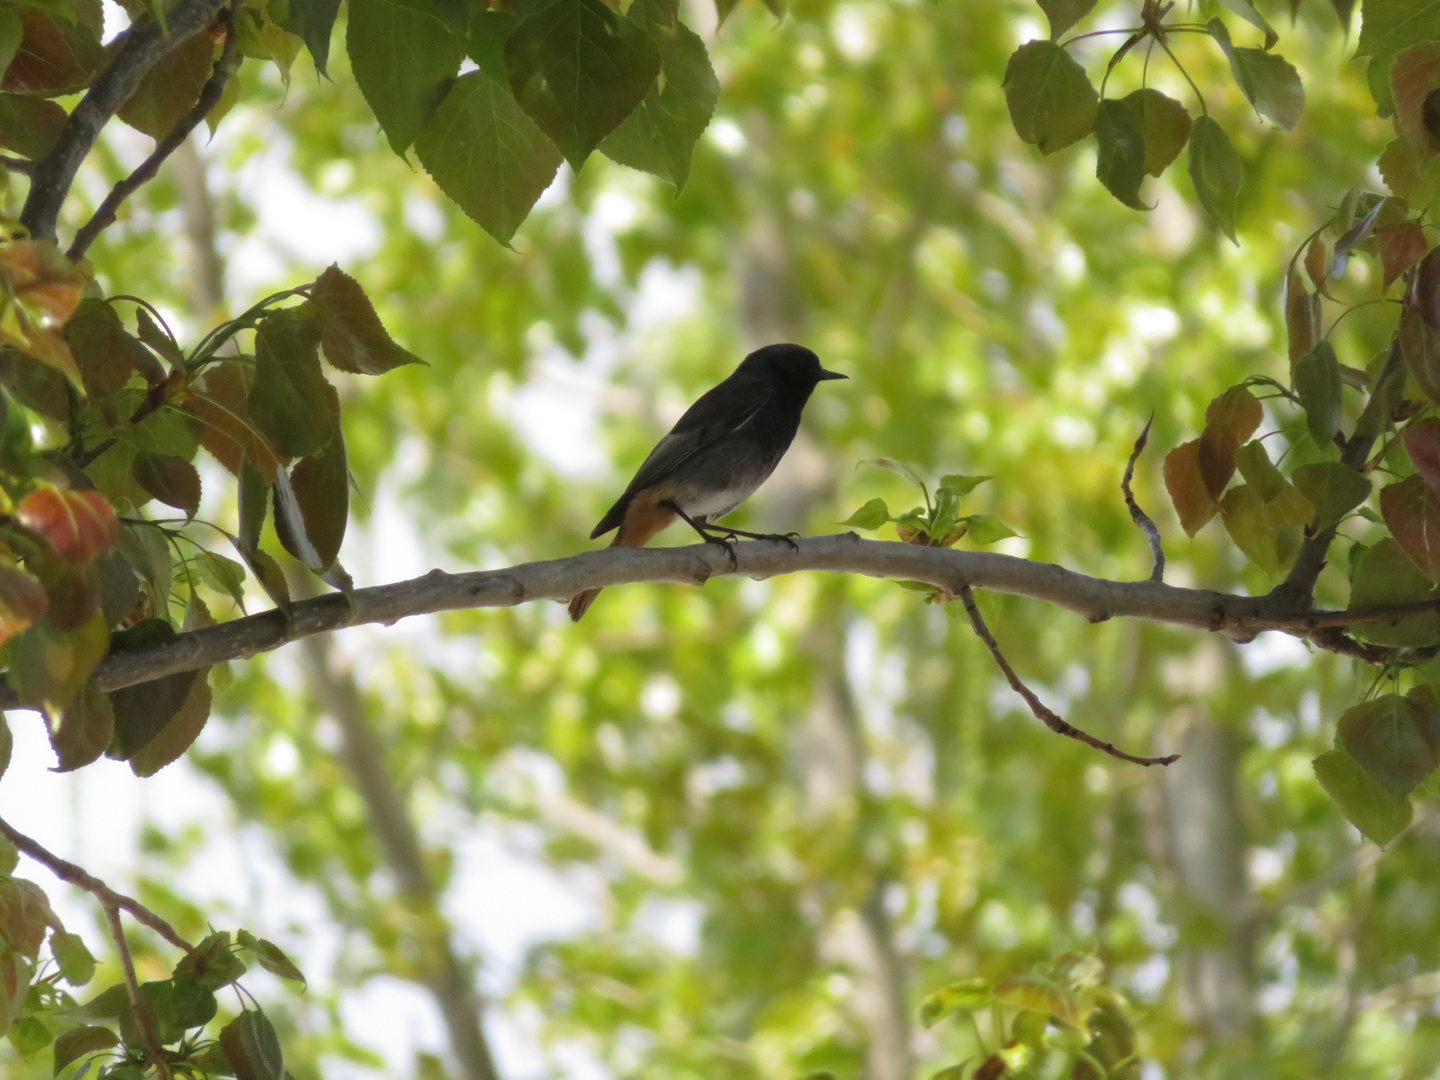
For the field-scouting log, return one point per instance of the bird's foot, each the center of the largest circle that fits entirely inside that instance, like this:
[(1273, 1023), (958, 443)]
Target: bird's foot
[(726, 541)]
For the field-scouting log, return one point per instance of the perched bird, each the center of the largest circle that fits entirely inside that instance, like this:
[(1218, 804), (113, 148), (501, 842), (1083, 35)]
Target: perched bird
[(717, 454)]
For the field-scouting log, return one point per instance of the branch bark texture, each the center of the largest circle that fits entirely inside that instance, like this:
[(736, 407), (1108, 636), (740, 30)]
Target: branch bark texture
[(139, 49), (1239, 617)]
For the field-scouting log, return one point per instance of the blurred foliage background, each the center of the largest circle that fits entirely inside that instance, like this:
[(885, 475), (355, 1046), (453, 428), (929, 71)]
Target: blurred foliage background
[(789, 810)]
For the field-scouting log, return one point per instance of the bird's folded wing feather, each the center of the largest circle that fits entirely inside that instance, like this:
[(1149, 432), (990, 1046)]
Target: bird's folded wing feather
[(705, 422)]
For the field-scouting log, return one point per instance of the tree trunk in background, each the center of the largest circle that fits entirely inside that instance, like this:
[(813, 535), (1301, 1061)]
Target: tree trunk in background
[(449, 978)]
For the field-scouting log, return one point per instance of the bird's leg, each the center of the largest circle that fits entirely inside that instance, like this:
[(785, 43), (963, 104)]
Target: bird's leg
[(786, 538), (700, 527)]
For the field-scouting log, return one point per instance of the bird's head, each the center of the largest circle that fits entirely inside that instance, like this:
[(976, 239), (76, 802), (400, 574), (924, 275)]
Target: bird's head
[(790, 365)]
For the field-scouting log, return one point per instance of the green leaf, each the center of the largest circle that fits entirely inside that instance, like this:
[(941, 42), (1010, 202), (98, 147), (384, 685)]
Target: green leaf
[(7, 748), (72, 1045), (1268, 531), (1317, 381), (172, 480), (29, 1035), (1269, 82), (870, 516), (252, 1048), (1377, 813), (963, 996), (1063, 14), (1384, 736), (659, 137), (30, 126), (1165, 125), (312, 21), (1386, 576), (1120, 161), (1332, 488), (962, 485), (11, 31), (897, 467), (212, 965), (351, 334), (1052, 103), (222, 574), (290, 399), (1387, 26), (170, 88), (578, 69), (85, 728), (270, 956), (77, 966), (487, 155), (1042, 996), (1215, 172), (1258, 470), (986, 529), (404, 54)]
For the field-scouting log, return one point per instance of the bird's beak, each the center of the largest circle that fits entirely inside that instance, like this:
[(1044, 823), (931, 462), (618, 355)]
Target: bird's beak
[(824, 375)]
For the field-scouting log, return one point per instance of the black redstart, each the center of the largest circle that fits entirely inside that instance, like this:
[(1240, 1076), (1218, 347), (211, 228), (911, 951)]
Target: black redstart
[(717, 454)]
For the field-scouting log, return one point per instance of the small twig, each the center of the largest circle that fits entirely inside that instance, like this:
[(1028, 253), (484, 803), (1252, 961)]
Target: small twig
[(132, 991), (15, 164), (1038, 707), (108, 897), (210, 93), (1142, 519)]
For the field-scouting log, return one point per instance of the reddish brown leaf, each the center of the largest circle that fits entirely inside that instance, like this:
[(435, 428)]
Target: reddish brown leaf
[(1302, 317), (78, 524), (219, 402), (22, 601), (1422, 443), (1230, 420), (55, 56), (170, 89), (1317, 262), (1413, 76), (1401, 247), (74, 595), (1188, 492), (351, 333), (43, 280), (104, 352), (312, 505), (1413, 516), (172, 480)]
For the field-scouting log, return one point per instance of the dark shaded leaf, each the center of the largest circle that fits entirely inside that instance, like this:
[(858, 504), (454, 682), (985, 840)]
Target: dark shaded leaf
[(1333, 489), (252, 1048), (1269, 82), (179, 732), (29, 125), (55, 56), (1164, 124), (404, 54), (143, 711), (104, 352), (1422, 443), (1420, 348), (72, 1045), (1052, 103), (172, 480), (212, 965), (578, 69), (1215, 172), (350, 332), (487, 155), (1377, 813), (170, 88), (312, 21), (485, 41), (1317, 381), (1384, 736), (1120, 161), (289, 400), (1413, 516), (254, 493), (85, 728)]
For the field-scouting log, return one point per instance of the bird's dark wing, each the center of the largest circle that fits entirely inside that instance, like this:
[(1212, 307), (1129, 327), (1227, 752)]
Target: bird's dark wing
[(713, 416)]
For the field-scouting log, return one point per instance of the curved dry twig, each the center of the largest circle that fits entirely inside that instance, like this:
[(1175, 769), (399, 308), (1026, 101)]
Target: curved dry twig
[(1043, 712), (1142, 519)]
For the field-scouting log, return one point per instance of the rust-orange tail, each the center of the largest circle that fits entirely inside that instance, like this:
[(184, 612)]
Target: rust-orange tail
[(643, 519)]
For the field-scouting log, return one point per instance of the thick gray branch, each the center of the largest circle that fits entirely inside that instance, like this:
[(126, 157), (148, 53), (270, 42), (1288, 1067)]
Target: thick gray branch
[(1240, 617), (138, 50)]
